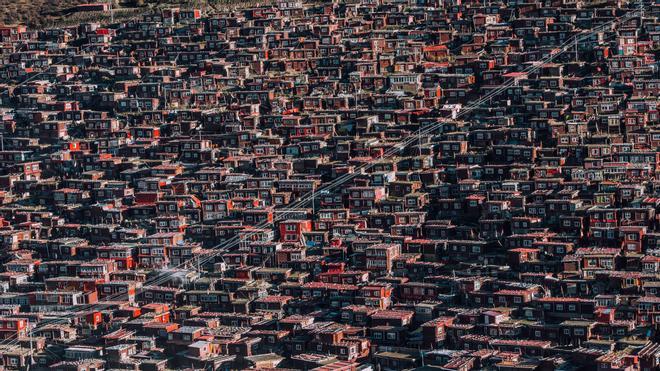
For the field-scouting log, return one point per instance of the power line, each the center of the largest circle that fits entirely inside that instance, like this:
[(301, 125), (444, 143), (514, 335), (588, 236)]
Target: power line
[(224, 247)]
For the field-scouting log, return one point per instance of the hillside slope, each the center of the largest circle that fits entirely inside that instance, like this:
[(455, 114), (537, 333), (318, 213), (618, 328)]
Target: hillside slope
[(45, 13), (34, 13)]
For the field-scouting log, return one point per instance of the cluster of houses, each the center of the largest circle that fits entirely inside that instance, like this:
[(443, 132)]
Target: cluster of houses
[(334, 186)]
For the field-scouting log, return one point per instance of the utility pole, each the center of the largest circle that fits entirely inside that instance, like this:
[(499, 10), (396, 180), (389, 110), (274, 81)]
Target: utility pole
[(31, 349), (641, 12), (419, 140)]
